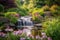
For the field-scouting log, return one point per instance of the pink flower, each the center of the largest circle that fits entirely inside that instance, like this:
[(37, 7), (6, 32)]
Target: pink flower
[(44, 35), (2, 34), (37, 37), (20, 31), (16, 15), (49, 38), (31, 36), (15, 33)]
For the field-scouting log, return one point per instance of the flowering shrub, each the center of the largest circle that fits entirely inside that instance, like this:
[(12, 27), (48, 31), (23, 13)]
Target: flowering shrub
[(18, 37), (21, 35)]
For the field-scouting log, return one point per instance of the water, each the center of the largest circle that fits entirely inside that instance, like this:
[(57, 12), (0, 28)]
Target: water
[(24, 22)]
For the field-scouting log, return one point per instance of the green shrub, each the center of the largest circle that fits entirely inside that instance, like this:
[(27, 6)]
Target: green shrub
[(37, 20), (53, 28), (21, 11), (11, 16)]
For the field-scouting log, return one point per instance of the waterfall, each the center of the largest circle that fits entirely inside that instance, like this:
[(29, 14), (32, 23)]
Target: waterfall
[(25, 21)]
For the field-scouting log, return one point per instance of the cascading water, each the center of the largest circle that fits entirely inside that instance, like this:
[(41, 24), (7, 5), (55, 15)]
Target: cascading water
[(25, 21)]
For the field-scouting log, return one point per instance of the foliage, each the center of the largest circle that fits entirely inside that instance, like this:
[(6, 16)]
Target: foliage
[(37, 10), (20, 11), (52, 28), (13, 37), (58, 10), (40, 3), (40, 10), (1, 23), (46, 8), (11, 16), (52, 2), (1, 8), (10, 36), (19, 2), (25, 3), (55, 10), (37, 20)]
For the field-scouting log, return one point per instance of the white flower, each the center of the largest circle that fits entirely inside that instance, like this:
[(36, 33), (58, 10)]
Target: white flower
[(8, 29), (22, 38), (27, 31), (43, 34)]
